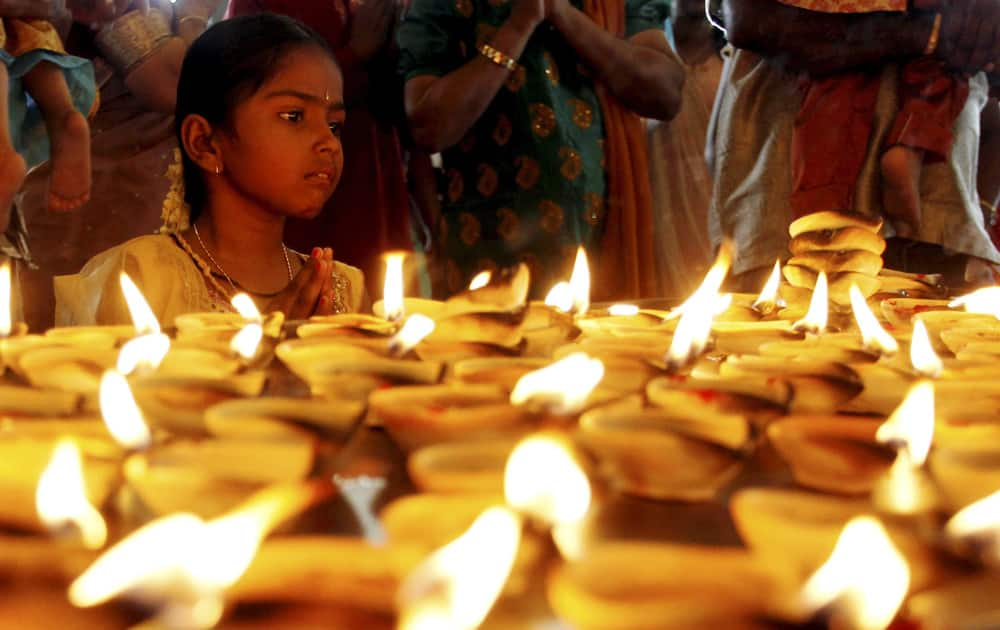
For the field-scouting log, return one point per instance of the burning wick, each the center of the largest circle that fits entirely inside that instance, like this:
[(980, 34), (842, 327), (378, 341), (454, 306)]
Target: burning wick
[(623, 310), (480, 280), (768, 302), (392, 291), (61, 497), (817, 316), (416, 328), (925, 361), (873, 336), (121, 413), (693, 334)]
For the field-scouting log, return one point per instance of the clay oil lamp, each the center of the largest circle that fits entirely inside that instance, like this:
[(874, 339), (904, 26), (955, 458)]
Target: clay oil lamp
[(665, 453), (418, 416), (635, 585)]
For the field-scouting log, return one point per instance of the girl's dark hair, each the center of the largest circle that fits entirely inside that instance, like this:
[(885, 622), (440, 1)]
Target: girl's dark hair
[(224, 67)]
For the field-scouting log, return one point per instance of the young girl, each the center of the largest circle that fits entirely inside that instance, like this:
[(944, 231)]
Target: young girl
[(258, 119), (33, 63), (835, 123)]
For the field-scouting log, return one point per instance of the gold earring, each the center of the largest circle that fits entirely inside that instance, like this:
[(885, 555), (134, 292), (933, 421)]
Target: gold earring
[(218, 169)]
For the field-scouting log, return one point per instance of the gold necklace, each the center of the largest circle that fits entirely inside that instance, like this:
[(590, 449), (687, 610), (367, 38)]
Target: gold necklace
[(284, 250)]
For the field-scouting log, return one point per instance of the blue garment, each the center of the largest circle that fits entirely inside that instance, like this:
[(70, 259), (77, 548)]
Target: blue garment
[(27, 128)]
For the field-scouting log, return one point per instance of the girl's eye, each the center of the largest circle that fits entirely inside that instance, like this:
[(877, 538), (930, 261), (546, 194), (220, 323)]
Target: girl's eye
[(295, 116), (335, 128)]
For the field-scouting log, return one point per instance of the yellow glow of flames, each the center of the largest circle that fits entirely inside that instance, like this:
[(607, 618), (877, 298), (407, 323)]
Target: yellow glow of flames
[(579, 282), (981, 517), (922, 356), (61, 497), (699, 311), (769, 294), (480, 280), (455, 588), (865, 575), (623, 310), (146, 351), (562, 387), (246, 342), (121, 414), (873, 336), (246, 307), (984, 302), (817, 317), (6, 323), (414, 330), (543, 480), (392, 290), (143, 319), (560, 297), (911, 425), (185, 558)]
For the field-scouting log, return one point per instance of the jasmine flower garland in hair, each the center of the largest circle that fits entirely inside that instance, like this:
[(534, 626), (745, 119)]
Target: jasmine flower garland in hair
[(176, 213)]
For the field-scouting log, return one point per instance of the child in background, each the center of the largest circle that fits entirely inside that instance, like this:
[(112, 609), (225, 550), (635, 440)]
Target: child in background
[(826, 167), (37, 69)]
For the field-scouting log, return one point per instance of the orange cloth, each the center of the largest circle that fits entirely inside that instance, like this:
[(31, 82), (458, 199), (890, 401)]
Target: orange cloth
[(834, 126), (18, 37), (848, 6), (626, 266)]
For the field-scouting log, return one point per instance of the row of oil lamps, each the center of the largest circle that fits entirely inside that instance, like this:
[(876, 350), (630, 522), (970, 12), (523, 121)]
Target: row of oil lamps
[(513, 453)]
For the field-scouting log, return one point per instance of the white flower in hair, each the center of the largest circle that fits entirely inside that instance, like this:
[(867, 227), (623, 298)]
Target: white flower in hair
[(176, 213)]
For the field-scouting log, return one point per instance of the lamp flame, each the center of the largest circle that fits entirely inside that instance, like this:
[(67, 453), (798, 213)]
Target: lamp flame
[(145, 351), (984, 302), (768, 298), (562, 387), (392, 291), (979, 518), (698, 312), (480, 280), (121, 414), (455, 588), (818, 314), (414, 330), (544, 480), (61, 497), (623, 310), (873, 336), (579, 282), (911, 425), (143, 319), (925, 361), (246, 307), (865, 575), (6, 323), (246, 342), (185, 562), (560, 297)]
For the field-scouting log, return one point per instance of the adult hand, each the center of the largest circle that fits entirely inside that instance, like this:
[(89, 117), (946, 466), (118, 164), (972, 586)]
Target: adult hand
[(530, 13), (300, 299), (970, 34), (99, 11), (370, 27)]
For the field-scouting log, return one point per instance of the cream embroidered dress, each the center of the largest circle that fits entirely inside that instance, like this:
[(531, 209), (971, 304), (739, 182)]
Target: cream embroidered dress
[(174, 280)]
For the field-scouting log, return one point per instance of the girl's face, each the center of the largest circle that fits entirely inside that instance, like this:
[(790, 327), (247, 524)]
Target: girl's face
[(284, 150)]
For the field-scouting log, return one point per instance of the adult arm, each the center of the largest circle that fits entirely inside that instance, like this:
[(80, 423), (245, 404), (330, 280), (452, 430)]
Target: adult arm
[(824, 43), (33, 9), (641, 71), (441, 110)]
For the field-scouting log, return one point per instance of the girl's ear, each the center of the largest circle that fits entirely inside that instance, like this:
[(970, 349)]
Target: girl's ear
[(200, 143)]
